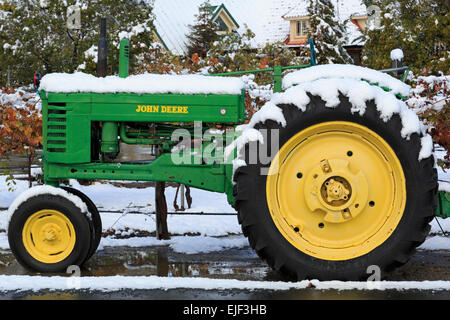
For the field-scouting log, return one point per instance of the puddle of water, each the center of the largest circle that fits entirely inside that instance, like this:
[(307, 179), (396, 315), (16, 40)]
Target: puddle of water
[(239, 264), (161, 261)]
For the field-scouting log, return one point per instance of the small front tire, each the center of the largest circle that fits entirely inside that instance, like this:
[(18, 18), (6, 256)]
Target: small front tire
[(49, 233)]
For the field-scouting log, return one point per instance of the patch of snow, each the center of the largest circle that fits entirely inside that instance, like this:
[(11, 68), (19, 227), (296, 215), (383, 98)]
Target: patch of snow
[(346, 71), (427, 147), (444, 186), (41, 190), (141, 84), (180, 224), (116, 283), (180, 244), (436, 229), (397, 54), (436, 243), (192, 245)]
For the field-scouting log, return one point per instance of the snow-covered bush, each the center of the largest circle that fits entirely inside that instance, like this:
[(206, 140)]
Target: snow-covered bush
[(431, 101)]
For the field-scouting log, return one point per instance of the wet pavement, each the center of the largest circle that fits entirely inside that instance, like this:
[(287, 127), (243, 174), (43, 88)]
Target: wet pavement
[(240, 264)]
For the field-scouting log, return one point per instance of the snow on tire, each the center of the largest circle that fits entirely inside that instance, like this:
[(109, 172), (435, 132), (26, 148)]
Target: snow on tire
[(348, 189)]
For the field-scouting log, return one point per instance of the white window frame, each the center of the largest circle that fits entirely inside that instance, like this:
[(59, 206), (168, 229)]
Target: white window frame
[(302, 28)]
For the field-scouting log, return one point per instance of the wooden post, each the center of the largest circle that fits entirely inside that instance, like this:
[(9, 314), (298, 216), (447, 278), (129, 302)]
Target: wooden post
[(162, 232), (182, 197), (397, 64)]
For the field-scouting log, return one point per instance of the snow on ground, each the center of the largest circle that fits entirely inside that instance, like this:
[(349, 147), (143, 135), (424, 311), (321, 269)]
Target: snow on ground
[(180, 244), (108, 197), (443, 176), (178, 224), (116, 283), (436, 243)]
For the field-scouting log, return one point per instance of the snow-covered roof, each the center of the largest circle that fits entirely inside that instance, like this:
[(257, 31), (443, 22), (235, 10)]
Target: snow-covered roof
[(263, 17), (301, 10), (173, 18), (277, 28)]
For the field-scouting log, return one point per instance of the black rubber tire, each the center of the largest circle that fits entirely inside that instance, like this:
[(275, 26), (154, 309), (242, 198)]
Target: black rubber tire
[(95, 223), (269, 243), (51, 202)]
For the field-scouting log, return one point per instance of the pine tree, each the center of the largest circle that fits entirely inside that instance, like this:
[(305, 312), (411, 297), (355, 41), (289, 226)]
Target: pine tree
[(419, 28), (203, 33), (328, 33), (34, 35)]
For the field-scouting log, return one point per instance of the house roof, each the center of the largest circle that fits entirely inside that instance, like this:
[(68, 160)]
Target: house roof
[(263, 17), (300, 10), (217, 10), (173, 18)]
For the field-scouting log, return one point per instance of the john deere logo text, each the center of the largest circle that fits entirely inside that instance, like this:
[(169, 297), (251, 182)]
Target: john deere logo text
[(162, 109)]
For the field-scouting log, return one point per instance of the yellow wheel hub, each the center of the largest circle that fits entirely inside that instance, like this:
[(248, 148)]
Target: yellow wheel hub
[(48, 236), (336, 190)]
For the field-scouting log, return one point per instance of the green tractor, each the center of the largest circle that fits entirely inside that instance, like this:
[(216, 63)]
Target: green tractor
[(331, 176)]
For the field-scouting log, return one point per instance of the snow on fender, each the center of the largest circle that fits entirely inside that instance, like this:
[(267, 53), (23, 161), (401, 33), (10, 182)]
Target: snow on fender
[(40, 190), (358, 92), (345, 71)]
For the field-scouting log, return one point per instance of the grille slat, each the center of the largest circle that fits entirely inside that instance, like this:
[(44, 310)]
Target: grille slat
[(56, 128)]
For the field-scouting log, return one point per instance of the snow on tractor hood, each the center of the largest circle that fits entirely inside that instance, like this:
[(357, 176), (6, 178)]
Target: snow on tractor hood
[(346, 71), (141, 84)]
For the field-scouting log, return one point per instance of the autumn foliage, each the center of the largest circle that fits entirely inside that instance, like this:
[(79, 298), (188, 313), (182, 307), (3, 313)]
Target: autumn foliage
[(20, 127)]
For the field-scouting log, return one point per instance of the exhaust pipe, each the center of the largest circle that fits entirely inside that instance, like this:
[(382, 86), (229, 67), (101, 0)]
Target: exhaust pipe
[(102, 59), (110, 130)]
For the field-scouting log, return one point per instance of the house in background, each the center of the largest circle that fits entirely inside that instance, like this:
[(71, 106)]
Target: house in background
[(271, 20), (224, 20), (299, 24), (173, 17)]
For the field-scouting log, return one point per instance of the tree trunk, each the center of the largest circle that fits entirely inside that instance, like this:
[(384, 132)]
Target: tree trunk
[(30, 163)]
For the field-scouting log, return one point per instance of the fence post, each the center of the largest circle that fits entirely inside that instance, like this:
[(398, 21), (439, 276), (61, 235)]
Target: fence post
[(278, 79), (397, 63)]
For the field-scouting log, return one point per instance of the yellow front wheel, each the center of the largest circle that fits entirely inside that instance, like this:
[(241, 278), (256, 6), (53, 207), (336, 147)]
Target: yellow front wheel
[(48, 236), (48, 233), (343, 192)]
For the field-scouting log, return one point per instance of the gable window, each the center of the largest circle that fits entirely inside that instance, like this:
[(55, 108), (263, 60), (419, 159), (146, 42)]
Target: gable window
[(302, 29), (221, 26)]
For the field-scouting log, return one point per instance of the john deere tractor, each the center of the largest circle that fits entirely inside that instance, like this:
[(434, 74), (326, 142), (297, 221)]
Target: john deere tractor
[(349, 181)]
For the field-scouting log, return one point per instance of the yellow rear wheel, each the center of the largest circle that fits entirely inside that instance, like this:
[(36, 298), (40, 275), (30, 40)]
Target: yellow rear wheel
[(342, 193), (336, 190)]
